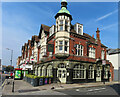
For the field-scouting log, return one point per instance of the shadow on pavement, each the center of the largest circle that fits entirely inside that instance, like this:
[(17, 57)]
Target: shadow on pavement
[(116, 87)]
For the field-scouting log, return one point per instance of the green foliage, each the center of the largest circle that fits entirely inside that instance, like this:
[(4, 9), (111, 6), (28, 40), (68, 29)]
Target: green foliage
[(34, 76)]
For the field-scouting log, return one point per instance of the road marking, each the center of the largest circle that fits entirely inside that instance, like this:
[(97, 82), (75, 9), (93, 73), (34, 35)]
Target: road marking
[(96, 89), (3, 84), (77, 90), (90, 90)]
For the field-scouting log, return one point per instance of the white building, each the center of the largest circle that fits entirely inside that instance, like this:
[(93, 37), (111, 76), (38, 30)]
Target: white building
[(114, 56)]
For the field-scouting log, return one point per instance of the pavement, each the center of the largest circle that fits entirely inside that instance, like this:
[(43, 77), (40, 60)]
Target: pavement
[(24, 88)]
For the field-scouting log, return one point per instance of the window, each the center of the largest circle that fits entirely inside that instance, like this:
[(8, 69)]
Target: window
[(43, 71), (66, 22), (79, 72), (36, 71), (102, 54), (61, 22), (44, 51), (91, 72), (92, 52), (65, 27), (66, 46), (79, 50), (60, 45), (61, 28), (49, 70)]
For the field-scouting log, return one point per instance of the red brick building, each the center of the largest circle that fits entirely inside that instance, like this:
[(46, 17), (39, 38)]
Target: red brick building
[(65, 52)]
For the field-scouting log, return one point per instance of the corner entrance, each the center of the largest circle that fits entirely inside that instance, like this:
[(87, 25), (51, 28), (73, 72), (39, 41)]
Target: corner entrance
[(61, 73)]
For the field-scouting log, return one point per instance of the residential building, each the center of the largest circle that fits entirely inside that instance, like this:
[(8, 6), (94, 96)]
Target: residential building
[(113, 55)]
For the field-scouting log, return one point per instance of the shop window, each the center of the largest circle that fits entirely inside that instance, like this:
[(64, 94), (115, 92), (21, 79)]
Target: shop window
[(91, 72), (49, 70), (43, 71), (79, 72)]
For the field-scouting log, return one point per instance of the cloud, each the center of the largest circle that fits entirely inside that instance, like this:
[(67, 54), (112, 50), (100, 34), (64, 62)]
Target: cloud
[(109, 26), (107, 15)]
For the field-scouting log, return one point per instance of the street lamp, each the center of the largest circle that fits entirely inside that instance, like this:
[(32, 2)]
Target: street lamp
[(11, 65), (11, 54)]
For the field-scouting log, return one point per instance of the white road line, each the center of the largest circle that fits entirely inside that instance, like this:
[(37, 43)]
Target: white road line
[(90, 90), (96, 89), (77, 90)]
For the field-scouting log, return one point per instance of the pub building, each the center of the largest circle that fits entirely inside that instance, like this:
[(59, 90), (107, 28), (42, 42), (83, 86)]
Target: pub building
[(68, 54)]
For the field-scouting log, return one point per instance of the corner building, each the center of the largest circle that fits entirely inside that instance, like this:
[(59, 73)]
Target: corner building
[(70, 55)]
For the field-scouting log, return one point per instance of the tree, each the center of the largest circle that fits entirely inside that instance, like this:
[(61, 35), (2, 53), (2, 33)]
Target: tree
[(9, 68)]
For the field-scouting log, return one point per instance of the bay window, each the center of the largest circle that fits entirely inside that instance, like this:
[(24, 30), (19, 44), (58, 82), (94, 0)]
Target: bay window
[(66, 46)]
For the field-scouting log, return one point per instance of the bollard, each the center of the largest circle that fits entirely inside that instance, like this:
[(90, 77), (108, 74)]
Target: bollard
[(13, 87)]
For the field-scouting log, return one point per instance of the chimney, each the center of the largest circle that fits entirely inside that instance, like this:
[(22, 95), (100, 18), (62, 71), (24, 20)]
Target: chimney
[(97, 34), (93, 36)]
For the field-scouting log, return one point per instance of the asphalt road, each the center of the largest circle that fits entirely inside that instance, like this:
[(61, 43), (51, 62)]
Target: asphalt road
[(101, 90)]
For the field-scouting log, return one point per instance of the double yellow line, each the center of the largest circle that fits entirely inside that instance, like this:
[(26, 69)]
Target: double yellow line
[(3, 84)]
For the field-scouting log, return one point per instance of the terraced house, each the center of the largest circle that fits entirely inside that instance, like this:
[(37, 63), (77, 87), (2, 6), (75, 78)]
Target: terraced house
[(65, 52)]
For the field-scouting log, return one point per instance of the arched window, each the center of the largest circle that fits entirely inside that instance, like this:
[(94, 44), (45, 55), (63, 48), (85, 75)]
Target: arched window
[(79, 72), (39, 69), (91, 72), (49, 70), (36, 71), (43, 71)]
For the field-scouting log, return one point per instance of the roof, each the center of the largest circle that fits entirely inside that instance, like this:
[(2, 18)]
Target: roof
[(90, 38), (45, 27), (64, 10), (113, 51)]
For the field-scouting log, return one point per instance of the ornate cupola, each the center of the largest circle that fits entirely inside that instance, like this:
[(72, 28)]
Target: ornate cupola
[(63, 18)]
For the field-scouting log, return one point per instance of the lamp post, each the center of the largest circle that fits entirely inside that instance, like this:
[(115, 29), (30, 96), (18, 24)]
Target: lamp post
[(11, 54), (11, 65)]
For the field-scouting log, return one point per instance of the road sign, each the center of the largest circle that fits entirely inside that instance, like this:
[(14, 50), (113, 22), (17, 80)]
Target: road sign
[(103, 62)]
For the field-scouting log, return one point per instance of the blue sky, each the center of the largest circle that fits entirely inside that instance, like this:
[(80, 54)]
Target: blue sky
[(21, 20)]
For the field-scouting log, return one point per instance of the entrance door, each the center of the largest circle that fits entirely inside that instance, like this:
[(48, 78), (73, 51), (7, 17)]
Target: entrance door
[(98, 76), (61, 73)]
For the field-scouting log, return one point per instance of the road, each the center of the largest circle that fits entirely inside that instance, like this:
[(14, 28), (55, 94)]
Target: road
[(101, 90)]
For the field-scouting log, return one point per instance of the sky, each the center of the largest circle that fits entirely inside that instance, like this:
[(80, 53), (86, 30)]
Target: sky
[(22, 20)]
